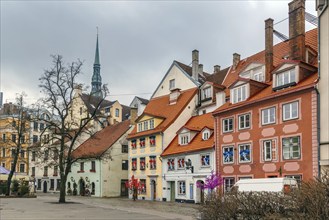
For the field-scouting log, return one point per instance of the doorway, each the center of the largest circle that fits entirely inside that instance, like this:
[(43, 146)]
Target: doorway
[(199, 193), (45, 186), (124, 189), (172, 191), (153, 190), (82, 187)]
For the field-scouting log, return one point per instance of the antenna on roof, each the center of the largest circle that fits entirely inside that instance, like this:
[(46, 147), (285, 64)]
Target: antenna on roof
[(311, 19), (280, 35)]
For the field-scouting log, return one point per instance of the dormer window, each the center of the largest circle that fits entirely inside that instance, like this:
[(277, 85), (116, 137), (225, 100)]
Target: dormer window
[(239, 94), (184, 138), (205, 135), (286, 78), (255, 73), (259, 76), (171, 84), (206, 93)]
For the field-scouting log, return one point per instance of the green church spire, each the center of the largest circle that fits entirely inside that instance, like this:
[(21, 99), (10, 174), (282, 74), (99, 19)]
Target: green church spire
[(96, 80)]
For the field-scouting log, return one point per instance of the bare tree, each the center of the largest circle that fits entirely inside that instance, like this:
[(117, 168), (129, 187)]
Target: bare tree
[(58, 85), (18, 125)]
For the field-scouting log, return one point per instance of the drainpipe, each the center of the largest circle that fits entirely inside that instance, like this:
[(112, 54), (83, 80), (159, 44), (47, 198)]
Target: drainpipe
[(318, 129), (100, 178)]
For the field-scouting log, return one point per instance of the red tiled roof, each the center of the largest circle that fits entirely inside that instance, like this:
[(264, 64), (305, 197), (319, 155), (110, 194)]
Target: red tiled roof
[(159, 107), (279, 51), (101, 141), (197, 143)]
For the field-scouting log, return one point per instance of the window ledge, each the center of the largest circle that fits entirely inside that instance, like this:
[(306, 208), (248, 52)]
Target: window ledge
[(206, 99), (284, 86), (92, 171), (80, 171)]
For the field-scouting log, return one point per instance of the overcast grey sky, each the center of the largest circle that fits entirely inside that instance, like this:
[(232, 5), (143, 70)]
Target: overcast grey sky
[(138, 39)]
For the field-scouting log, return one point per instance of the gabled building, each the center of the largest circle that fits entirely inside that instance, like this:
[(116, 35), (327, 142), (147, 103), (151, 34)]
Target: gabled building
[(104, 170), (154, 130), (188, 160), (268, 126), (139, 103)]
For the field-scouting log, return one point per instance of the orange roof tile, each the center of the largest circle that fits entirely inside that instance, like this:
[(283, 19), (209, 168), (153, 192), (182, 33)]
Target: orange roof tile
[(197, 143), (159, 107), (101, 141)]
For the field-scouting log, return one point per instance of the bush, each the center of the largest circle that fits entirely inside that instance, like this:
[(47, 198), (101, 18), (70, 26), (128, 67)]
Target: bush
[(24, 189), (310, 201), (3, 187), (15, 186)]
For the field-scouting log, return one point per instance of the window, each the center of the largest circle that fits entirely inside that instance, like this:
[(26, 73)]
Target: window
[(285, 78), (171, 164), (80, 110), (142, 163), (42, 126), (55, 171), (244, 153), (142, 142), (172, 84), (142, 186), (35, 126), (227, 125), (39, 184), (107, 110), (45, 171), (239, 94), (82, 166), (259, 76), (269, 150), (146, 125), (3, 152), (22, 168), (228, 183), (55, 152), (14, 123), (152, 141), (244, 121), (35, 138), (206, 93), (268, 116), (228, 154), (117, 112), (3, 137), (181, 187), (134, 164), (22, 153), (3, 165), (181, 163), (133, 144), (52, 184), (93, 166), (298, 178), (291, 148), (151, 123), (33, 155), (205, 160), (46, 155), (33, 171), (205, 135), (184, 138), (13, 152), (153, 162), (13, 137), (124, 148), (290, 111), (140, 127), (124, 164)]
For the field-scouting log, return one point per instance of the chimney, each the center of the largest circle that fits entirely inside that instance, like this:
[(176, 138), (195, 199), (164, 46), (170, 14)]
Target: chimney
[(200, 69), (216, 68), (173, 96), (195, 64), (268, 49), (133, 115), (297, 30), (236, 60)]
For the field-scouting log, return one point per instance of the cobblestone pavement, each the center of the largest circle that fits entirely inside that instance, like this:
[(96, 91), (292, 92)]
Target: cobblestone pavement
[(45, 207)]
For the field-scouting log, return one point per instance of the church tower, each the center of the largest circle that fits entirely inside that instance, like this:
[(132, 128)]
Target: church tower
[(96, 80)]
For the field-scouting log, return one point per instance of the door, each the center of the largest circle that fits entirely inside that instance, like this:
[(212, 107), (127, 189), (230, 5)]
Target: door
[(191, 190), (172, 191), (124, 189), (45, 186), (153, 190)]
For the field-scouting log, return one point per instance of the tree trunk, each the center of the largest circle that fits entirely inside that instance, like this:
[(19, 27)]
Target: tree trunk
[(12, 171), (62, 192)]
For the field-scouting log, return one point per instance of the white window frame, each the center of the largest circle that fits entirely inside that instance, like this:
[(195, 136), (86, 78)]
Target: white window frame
[(146, 125), (259, 76), (206, 93), (151, 123), (289, 149), (243, 117), (239, 94), (181, 187), (265, 150), (140, 127), (250, 154), (290, 111), (205, 135), (267, 112), (228, 183), (225, 149), (226, 121), (285, 77), (184, 138), (202, 157), (117, 112), (171, 84)]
